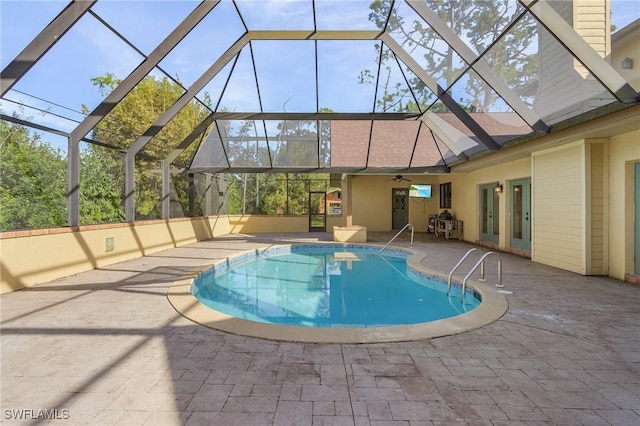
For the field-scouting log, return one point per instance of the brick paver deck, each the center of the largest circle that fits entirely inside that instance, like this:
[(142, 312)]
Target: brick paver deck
[(106, 347)]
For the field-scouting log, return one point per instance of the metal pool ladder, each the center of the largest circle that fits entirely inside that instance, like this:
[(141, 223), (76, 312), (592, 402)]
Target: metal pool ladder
[(472, 270), (396, 236)]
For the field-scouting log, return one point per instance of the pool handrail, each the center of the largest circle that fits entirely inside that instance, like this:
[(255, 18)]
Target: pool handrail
[(457, 266), (396, 236), (481, 262)]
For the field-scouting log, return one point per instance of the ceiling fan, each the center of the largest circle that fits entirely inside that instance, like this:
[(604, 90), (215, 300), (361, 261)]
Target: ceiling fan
[(400, 178)]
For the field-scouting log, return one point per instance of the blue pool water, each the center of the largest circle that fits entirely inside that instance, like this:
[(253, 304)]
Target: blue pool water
[(329, 287)]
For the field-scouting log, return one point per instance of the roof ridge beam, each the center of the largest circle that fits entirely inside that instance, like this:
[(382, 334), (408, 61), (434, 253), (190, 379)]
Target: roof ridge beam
[(314, 35)]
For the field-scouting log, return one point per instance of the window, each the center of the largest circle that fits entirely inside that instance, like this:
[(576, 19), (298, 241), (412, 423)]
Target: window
[(445, 195)]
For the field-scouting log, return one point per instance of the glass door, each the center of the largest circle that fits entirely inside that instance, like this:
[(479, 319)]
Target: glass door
[(317, 211), (521, 214), (489, 214)]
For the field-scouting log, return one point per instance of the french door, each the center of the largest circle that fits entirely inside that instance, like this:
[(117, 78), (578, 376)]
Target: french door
[(489, 214), (521, 214)]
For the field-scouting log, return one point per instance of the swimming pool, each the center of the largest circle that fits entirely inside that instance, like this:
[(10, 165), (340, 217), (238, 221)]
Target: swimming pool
[(330, 286), (182, 298)]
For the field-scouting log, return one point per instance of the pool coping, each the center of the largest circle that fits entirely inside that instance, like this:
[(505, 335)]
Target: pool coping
[(494, 305)]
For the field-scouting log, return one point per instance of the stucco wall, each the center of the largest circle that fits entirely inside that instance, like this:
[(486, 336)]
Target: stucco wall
[(252, 224), (371, 203), (33, 257), (465, 196)]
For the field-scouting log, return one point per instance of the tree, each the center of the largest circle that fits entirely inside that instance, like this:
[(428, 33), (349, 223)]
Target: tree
[(132, 117), (477, 22), (33, 191), (101, 185)]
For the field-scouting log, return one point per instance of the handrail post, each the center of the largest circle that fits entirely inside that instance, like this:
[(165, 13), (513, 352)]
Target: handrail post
[(481, 262), (396, 236), (499, 285), (458, 265)]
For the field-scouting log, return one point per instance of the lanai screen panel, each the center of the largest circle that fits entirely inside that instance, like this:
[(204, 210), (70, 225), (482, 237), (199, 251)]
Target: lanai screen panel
[(430, 50), (487, 108), (245, 143), (286, 71), (177, 129), (211, 153), (140, 21), (293, 143), (340, 64), (203, 45), (138, 110), (392, 143), (557, 87), (277, 15), (344, 15), (427, 152), (349, 143), (66, 80)]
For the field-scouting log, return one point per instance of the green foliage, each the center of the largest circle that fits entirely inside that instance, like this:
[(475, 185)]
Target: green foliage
[(274, 193), (33, 182), (33, 190), (131, 118), (101, 186)]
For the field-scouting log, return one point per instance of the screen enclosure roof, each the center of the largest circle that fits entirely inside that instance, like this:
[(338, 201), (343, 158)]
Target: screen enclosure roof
[(304, 85)]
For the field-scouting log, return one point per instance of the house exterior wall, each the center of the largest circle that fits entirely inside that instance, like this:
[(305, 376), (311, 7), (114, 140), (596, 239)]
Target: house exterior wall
[(465, 201), (624, 152), (371, 202), (591, 20), (558, 216), (597, 207), (626, 44)]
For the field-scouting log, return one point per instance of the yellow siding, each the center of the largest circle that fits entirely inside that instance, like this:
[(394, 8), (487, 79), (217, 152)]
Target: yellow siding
[(596, 253), (558, 216), (624, 151), (590, 18)]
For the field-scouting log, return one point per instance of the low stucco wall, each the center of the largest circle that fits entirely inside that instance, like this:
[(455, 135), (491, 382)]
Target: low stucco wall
[(32, 257), (258, 224), (37, 256)]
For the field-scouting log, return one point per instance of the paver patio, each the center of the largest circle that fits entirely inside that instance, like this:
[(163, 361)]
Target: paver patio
[(106, 347)]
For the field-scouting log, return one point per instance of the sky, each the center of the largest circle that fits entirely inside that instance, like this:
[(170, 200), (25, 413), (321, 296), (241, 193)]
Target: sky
[(60, 82)]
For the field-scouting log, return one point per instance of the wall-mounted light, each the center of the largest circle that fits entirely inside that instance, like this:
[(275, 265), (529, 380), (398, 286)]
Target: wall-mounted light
[(498, 188), (627, 63)]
